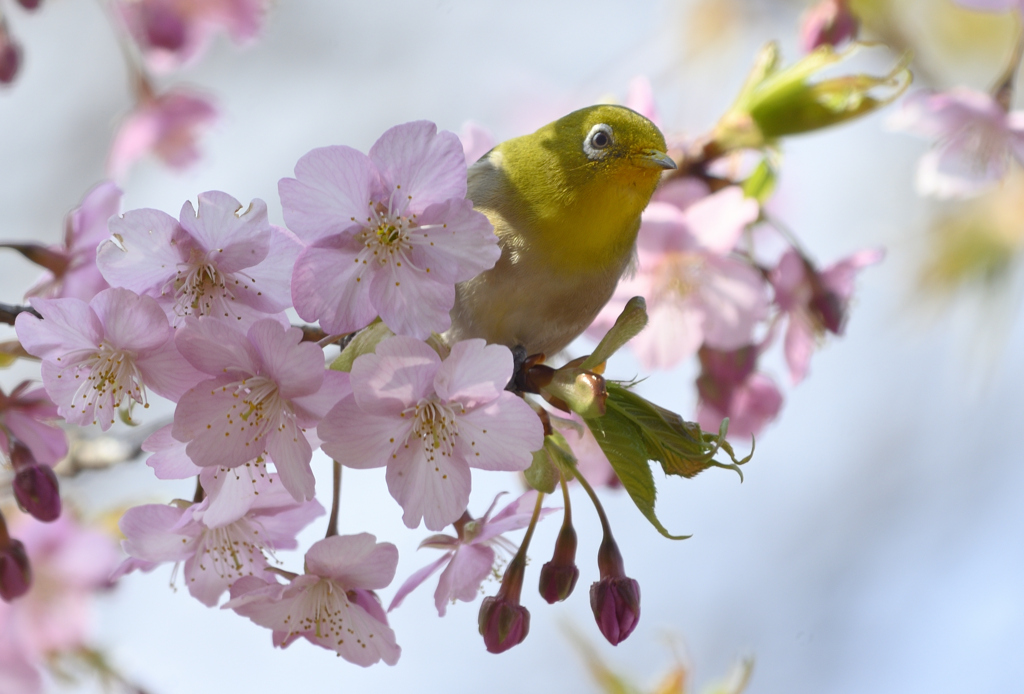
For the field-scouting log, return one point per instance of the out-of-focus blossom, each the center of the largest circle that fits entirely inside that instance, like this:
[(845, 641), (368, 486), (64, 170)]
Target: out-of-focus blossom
[(992, 5), (174, 32), (167, 125), (430, 421), (814, 301), (10, 55), (590, 459), (828, 23), (332, 604), (215, 556), (72, 270), (476, 141), (30, 5), (975, 140), (219, 260), (469, 556), (390, 234), (640, 98), (96, 355), (69, 564), (15, 568), (27, 415), (695, 293), (266, 387), (729, 386)]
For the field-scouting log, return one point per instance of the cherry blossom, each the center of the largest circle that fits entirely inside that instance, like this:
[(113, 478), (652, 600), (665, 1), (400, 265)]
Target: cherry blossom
[(469, 556), (827, 23), (390, 233), (266, 387), (814, 301), (28, 415), (975, 140), (96, 355), (729, 386), (167, 125), (219, 259), (429, 421), (332, 604), (695, 293), (215, 556), (72, 265)]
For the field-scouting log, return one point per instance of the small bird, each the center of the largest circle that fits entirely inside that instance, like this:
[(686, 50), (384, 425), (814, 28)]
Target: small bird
[(565, 203)]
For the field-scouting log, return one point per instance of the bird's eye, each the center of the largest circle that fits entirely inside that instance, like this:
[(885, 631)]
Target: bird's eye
[(598, 139)]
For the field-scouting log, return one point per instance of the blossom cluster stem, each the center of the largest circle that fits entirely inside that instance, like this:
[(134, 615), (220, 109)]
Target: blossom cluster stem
[(605, 526), (332, 523), (511, 587)]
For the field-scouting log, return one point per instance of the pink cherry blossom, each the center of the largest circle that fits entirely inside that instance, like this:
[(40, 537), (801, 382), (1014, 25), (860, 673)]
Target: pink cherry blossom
[(390, 234), (267, 386), (975, 140), (827, 23), (97, 355), (27, 415), (72, 271), (695, 293), (70, 563), (332, 604), (469, 556), (730, 387), (167, 125), (814, 302), (175, 32), (215, 556), (218, 260), (429, 421)]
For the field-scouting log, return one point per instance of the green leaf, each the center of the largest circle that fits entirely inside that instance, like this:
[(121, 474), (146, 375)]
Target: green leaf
[(631, 321), (622, 442), (761, 183), (542, 474), (365, 342)]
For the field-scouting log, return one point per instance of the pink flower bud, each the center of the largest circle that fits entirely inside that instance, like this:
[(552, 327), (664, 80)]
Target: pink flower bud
[(15, 571), (30, 4), (10, 57), (504, 623), (38, 492), (558, 577), (829, 23), (163, 27), (615, 601)]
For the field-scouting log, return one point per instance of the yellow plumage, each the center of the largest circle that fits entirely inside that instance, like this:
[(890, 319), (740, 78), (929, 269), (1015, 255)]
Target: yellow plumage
[(565, 203)]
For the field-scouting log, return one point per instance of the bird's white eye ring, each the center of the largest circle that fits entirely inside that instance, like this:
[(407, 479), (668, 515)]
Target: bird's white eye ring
[(598, 140)]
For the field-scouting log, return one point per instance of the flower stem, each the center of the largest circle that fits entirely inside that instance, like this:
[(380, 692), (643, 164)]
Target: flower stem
[(332, 523), (512, 587), (605, 526)]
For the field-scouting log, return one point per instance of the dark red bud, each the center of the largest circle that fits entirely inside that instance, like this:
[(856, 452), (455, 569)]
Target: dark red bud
[(163, 27), (15, 571), (10, 57), (558, 577), (38, 492), (30, 4), (615, 601), (504, 623)]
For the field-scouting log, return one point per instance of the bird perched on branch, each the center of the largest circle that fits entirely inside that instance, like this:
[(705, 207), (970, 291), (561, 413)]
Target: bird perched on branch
[(565, 203)]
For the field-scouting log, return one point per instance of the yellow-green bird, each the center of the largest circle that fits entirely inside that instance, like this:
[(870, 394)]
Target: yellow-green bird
[(565, 203)]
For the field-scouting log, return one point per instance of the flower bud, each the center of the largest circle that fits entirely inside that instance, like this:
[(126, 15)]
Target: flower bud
[(38, 492), (164, 28), (615, 601), (558, 577), (10, 57), (15, 571), (30, 4), (504, 623), (829, 23)]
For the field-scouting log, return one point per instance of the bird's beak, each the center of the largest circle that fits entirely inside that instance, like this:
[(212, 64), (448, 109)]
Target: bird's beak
[(656, 159)]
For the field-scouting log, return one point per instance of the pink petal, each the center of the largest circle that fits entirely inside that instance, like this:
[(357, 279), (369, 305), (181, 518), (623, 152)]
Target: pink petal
[(297, 367), (208, 418), (292, 454), (501, 435), (410, 301), (799, 346), (414, 581), (718, 220), (674, 332), (239, 240), (169, 460), (214, 347), (396, 377), (331, 284), (151, 533), (435, 491), (360, 440), (355, 561), (734, 300), (68, 325), (427, 166), (474, 373), (144, 258), (463, 576)]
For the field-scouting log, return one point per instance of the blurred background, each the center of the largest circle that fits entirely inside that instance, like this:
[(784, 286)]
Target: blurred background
[(875, 544)]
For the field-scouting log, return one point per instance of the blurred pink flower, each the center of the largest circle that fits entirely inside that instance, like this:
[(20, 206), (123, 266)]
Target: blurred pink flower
[(332, 604), (590, 459), (215, 556), (975, 140), (469, 556), (695, 293), (430, 421), (390, 234), (828, 23), (728, 386), (640, 98), (992, 5), (220, 259), (96, 355), (167, 125), (28, 415), (476, 141), (69, 564), (265, 387), (174, 32), (72, 265), (814, 301)]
